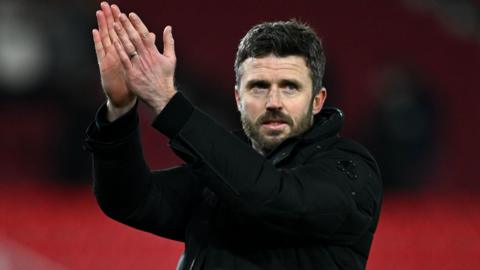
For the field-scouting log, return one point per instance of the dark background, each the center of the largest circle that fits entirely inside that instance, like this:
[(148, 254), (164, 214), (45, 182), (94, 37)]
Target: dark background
[(404, 72)]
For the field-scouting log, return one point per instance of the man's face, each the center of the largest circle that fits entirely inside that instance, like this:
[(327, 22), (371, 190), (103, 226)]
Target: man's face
[(275, 99)]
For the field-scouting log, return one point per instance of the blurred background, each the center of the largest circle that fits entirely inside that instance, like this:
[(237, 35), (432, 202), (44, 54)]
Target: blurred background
[(405, 73)]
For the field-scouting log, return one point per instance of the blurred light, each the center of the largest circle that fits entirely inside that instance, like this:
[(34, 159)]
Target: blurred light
[(14, 256), (24, 59)]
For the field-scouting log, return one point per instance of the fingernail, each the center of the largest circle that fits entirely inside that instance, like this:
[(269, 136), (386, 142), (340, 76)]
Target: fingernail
[(133, 15)]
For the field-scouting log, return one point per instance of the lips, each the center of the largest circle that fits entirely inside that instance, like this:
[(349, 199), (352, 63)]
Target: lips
[(274, 120), (274, 124)]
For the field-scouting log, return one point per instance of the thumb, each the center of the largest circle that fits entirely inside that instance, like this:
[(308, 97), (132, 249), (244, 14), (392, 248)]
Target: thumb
[(168, 42)]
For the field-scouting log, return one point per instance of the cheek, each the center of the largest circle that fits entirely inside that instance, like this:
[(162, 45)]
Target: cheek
[(252, 108), (299, 110)]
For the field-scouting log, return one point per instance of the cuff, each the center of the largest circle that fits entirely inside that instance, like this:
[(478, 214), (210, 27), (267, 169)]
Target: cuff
[(120, 128), (174, 116)]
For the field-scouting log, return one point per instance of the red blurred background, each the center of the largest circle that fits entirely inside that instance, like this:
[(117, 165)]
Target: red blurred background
[(403, 71)]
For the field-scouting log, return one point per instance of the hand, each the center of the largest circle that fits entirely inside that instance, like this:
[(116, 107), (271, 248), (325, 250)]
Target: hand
[(112, 72), (149, 73)]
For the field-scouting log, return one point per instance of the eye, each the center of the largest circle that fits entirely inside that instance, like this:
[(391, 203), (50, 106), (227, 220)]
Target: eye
[(290, 88), (259, 91), (259, 88)]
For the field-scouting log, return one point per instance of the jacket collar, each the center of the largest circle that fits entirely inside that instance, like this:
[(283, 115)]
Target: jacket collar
[(327, 123)]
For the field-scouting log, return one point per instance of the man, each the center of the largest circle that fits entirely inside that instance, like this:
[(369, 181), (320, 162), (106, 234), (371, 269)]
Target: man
[(291, 194)]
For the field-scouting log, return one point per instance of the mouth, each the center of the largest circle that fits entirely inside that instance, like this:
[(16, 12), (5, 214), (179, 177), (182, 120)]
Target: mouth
[(274, 124)]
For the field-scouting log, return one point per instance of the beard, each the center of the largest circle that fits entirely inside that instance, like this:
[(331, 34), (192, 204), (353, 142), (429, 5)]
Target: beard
[(268, 141)]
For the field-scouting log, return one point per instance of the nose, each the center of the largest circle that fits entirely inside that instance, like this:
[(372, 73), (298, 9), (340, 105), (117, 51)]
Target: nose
[(274, 101)]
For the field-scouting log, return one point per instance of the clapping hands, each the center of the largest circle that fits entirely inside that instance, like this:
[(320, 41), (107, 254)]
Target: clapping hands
[(130, 63)]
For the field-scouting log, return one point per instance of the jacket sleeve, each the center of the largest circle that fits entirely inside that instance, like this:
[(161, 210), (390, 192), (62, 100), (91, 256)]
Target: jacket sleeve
[(315, 199), (126, 189)]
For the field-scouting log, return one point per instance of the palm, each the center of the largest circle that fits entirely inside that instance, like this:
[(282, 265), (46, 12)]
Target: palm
[(113, 79), (112, 71)]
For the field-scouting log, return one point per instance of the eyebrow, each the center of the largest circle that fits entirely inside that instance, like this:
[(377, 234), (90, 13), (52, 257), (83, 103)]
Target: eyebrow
[(256, 82), (265, 83), (297, 83)]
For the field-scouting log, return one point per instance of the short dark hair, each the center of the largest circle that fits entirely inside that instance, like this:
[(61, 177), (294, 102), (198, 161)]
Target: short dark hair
[(284, 38)]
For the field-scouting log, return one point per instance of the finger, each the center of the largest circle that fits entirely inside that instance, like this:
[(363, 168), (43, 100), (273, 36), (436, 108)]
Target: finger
[(116, 15), (141, 29), (124, 58), (113, 35), (124, 39), (153, 37), (168, 42), (107, 11), (109, 17), (132, 33), (103, 29), (98, 44), (115, 12)]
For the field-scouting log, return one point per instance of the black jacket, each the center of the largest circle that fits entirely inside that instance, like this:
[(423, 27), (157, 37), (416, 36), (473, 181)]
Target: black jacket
[(313, 203)]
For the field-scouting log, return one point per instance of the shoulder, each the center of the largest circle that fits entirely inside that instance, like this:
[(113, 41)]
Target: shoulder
[(346, 155), (357, 151)]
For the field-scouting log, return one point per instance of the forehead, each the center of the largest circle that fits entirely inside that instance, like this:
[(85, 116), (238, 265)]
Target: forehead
[(271, 66)]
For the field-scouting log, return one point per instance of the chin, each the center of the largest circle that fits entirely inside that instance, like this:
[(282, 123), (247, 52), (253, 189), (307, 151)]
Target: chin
[(273, 140), (273, 134)]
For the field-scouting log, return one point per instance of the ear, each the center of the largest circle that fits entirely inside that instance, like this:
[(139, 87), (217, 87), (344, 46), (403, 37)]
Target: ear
[(319, 100), (237, 98)]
